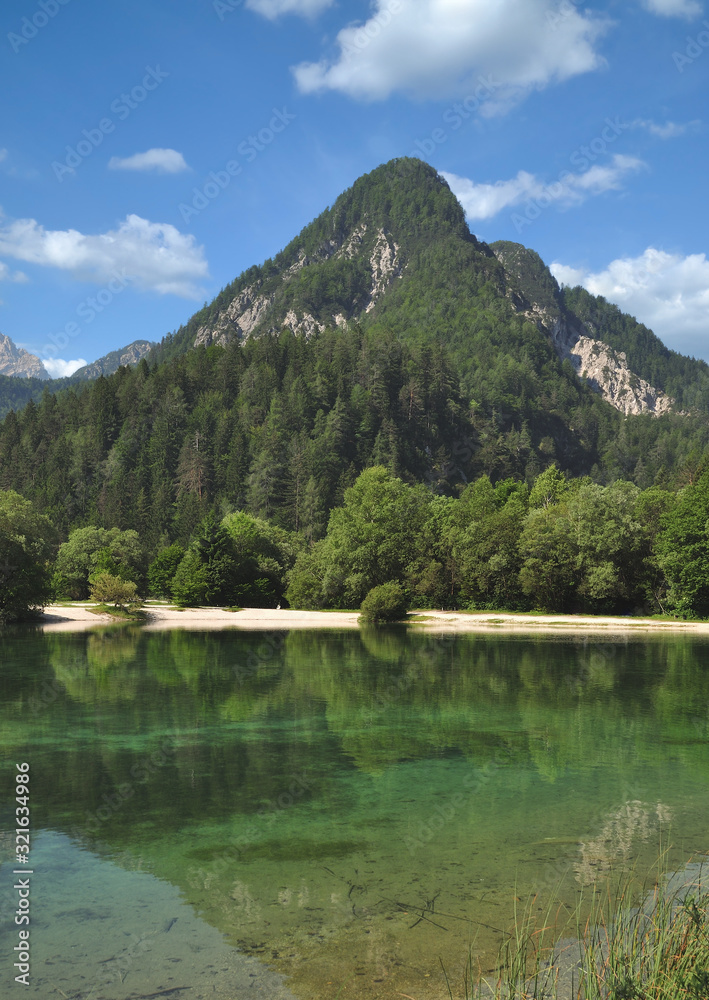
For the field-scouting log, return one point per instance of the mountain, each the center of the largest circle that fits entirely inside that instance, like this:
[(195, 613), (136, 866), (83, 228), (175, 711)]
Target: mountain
[(23, 377), (400, 227), (384, 333), (112, 361), (605, 368), (15, 361)]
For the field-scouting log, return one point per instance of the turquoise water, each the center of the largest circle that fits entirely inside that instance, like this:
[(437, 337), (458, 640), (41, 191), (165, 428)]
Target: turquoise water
[(347, 809)]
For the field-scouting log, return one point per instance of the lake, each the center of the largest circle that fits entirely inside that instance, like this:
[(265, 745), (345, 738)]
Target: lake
[(322, 814)]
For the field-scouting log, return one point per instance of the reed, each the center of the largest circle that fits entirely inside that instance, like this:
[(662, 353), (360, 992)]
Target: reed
[(652, 945)]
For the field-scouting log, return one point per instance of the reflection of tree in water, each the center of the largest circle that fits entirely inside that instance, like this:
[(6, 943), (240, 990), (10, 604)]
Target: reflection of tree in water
[(371, 699), (364, 718)]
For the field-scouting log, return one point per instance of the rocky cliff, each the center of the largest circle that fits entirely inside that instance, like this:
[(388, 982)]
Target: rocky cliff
[(15, 361), (255, 310), (607, 372), (534, 291)]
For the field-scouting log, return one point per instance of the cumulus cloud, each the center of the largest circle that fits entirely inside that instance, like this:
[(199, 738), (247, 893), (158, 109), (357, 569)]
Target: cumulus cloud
[(7, 275), (274, 8), (154, 256), (667, 292), (670, 130), (687, 9), (483, 201), (441, 48), (164, 161), (62, 369)]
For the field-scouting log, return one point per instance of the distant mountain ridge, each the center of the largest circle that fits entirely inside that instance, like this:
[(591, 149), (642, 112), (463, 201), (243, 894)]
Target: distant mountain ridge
[(112, 361), (24, 377), (359, 261)]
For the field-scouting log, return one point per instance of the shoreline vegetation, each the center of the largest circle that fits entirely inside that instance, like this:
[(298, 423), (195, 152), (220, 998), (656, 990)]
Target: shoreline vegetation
[(654, 946), (77, 615), (564, 547)]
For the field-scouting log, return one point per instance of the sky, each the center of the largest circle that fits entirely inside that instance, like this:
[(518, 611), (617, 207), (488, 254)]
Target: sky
[(152, 150)]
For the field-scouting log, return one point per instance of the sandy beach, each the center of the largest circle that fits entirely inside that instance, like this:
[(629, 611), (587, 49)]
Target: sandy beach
[(78, 616)]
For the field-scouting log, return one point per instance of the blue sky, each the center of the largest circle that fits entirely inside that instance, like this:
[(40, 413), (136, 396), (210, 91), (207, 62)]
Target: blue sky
[(151, 150)]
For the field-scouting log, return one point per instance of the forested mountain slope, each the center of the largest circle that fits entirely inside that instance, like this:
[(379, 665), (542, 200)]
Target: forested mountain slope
[(385, 333)]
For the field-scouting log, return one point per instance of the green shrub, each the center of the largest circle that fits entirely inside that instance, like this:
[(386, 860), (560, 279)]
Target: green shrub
[(385, 603), (108, 589)]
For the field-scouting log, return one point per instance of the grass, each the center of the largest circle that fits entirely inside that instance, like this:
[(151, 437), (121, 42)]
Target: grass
[(126, 614), (657, 949)]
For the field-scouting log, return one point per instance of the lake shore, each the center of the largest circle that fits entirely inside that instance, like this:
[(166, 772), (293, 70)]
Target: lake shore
[(78, 616)]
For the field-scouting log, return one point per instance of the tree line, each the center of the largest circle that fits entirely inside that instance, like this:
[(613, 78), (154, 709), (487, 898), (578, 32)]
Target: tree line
[(557, 544)]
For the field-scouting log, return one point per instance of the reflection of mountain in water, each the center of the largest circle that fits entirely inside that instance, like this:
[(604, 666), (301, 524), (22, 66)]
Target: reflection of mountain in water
[(618, 839)]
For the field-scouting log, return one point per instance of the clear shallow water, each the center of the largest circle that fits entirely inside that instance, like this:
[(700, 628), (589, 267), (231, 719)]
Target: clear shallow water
[(345, 808)]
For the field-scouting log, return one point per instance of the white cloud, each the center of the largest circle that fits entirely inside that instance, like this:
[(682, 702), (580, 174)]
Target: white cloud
[(670, 130), (274, 8), (667, 292), (3, 155), (61, 369), (687, 9), (7, 275), (153, 256), (165, 161), (440, 48), (483, 201)]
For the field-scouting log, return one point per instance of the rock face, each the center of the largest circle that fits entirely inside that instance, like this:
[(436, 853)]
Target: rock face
[(17, 362), (534, 292), (608, 373), (255, 310), (384, 262), (243, 313)]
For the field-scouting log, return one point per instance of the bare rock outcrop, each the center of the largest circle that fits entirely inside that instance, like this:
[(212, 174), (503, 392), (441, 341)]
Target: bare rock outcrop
[(244, 312), (608, 373), (16, 361), (384, 262), (251, 306)]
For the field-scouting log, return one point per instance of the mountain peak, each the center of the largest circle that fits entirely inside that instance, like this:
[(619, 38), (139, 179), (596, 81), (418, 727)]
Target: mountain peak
[(16, 361), (344, 263)]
